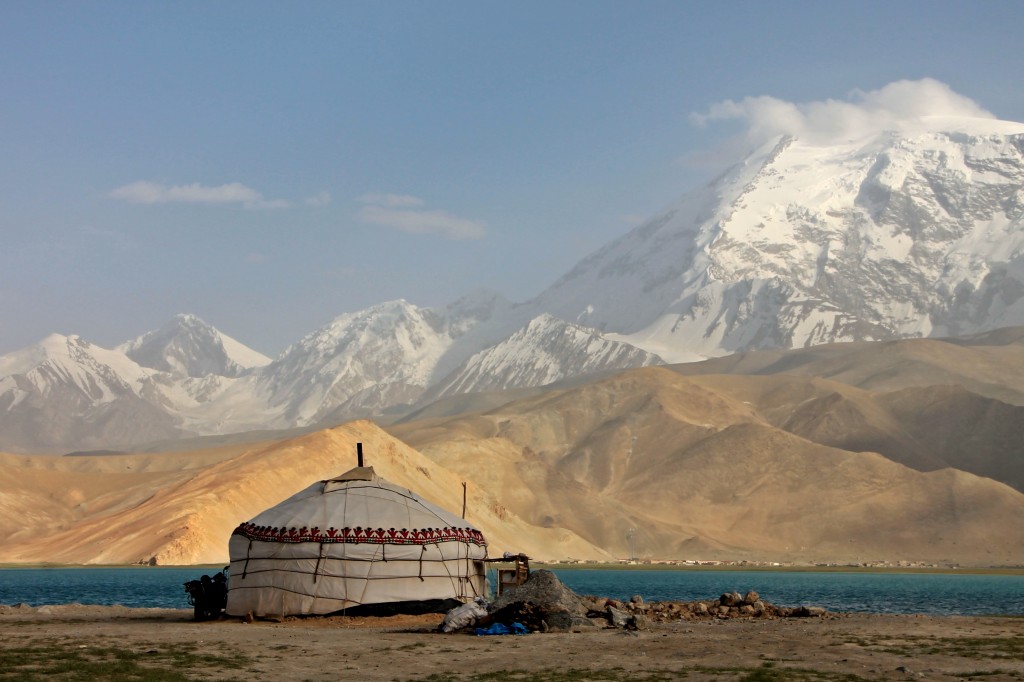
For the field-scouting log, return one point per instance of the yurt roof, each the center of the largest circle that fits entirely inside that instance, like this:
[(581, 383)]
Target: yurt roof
[(358, 506)]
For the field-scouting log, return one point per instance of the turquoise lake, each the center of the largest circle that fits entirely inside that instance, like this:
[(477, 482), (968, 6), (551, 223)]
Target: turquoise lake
[(926, 593)]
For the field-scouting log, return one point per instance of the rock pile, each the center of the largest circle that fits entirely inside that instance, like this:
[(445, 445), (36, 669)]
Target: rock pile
[(729, 605), (544, 604)]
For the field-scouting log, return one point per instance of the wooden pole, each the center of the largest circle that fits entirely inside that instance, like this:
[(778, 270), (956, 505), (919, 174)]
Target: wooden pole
[(463, 499)]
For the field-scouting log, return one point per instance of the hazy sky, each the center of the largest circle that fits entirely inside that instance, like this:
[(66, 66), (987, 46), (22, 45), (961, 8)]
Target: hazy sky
[(269, 166)]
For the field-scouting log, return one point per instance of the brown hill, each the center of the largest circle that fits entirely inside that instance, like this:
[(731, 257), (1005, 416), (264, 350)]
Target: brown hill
[(990, 364), (181, 508), (733, 467), (925, 428), (909, 450)]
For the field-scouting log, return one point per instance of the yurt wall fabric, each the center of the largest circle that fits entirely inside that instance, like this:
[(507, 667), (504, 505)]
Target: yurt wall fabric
[(351, 541)]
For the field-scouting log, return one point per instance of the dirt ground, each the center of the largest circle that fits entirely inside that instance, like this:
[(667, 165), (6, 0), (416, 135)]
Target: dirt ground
[(38, 641)]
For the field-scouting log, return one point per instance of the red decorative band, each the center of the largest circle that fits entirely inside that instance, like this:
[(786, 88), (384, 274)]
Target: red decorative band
[(373, 536)]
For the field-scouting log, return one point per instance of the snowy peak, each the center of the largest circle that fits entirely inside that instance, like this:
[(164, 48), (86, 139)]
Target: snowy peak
[(188, 347), (397, 330), (69, 362), (544, 351), (911, 232), (369, 360), (65, 393)]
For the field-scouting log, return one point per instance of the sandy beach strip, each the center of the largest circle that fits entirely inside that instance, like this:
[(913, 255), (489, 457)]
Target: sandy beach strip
[(117, 641)]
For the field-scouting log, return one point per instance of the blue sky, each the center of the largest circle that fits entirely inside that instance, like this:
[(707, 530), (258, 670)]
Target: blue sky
[(269, 166)]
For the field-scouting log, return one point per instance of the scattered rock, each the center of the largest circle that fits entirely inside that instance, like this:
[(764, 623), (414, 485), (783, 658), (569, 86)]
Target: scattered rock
[(544, 604), (638, 622), (617, 618), (730, 599)]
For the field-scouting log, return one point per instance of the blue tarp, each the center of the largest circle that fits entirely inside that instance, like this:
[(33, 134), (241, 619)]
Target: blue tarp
[(502, 629)]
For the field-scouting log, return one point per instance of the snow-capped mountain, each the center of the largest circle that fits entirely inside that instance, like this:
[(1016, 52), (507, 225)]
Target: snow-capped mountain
[(388, 350), (544, 351), (188, 347), (918, 231), (64, 390), (363, 363), (915, 232)]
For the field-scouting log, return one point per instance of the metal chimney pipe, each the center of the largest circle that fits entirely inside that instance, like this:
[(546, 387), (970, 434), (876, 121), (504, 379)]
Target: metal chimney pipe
[(359, 453)]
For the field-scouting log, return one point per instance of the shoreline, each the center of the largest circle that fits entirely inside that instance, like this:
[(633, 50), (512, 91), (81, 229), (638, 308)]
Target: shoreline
[(909, 570), (848, 647)]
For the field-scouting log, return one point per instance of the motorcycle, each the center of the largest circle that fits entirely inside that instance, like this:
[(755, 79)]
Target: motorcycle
[(208, 596)]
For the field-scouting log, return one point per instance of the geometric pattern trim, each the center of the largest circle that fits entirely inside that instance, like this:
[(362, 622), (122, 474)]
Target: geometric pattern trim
[(373, 536)]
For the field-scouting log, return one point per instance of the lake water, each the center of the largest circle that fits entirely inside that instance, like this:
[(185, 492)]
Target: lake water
[(927, 593)]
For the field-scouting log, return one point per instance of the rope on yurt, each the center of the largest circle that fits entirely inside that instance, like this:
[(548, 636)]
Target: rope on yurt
[(452, 579), (423, 550), (245, 568), (319, 558), (366, 582)]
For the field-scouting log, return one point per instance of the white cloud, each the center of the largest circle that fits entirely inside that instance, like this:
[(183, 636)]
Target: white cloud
[(405, 213), (144, 192), (322, 199), (895, 106), (391, 200)]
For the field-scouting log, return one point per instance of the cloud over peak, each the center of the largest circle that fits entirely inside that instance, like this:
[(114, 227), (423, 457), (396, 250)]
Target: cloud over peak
[(899, 105), (406, 213)]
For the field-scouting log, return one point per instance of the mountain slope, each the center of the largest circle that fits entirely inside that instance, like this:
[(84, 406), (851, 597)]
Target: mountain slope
[(188, 347), (990, 365), (911, 233), (65, 390), (917, 231), (730, 467), (366, 362), (544, 351), (181, 508)]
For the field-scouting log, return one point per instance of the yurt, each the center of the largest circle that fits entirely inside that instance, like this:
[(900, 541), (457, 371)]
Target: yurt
[(352, 541)]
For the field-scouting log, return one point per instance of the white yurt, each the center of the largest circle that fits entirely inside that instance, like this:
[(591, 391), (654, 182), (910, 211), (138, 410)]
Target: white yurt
[(355, 540)]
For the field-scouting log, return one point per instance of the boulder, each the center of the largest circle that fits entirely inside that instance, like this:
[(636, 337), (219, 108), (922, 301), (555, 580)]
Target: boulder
[(617, 618), (638, 622), (730, 599)]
